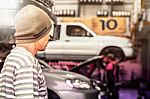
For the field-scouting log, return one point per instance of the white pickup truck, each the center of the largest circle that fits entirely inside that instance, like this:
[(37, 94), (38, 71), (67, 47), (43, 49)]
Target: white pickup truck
[(75, 41)]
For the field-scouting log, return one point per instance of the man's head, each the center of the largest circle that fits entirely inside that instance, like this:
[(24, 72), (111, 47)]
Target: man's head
[(111, 56), (32, 25)]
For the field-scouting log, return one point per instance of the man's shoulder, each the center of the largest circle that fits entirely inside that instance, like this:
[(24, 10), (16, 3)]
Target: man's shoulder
[(22, 53), (20, 58)]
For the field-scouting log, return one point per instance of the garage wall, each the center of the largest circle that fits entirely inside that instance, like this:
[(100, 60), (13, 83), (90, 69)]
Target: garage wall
[(88, 10), (66, 5), (147, 6)]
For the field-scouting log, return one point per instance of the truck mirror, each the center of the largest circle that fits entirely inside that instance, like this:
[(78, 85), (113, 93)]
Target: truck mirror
[(51, 38), (89, 34), (56, 33)]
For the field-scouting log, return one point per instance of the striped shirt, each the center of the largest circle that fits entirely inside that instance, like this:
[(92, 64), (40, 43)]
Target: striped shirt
[(21, 77)]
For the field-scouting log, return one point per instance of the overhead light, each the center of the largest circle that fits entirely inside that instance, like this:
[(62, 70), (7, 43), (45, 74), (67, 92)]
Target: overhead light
[(61, 12), (121, 13), (102, 13), (72, 12), (65, 13), (114, 1), (90, 1)]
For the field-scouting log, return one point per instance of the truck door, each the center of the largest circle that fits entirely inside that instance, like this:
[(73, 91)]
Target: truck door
[(79, 43)]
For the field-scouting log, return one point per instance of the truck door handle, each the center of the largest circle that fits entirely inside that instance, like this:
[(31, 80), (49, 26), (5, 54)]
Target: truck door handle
[(67, 40)]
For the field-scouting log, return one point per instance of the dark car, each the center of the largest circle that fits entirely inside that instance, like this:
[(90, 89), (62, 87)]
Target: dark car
[(68, 85)]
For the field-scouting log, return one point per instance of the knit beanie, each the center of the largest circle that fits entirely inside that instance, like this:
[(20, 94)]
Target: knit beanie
[(31, 24)]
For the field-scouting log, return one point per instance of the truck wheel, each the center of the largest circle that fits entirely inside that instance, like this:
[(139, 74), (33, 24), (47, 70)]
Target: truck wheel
[(117, 52)]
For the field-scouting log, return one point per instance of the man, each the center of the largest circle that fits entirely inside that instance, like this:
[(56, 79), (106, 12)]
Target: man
[(112, 75), (22, 76)]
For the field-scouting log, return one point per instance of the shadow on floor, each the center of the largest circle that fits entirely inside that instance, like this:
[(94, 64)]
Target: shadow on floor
[(127, 93)]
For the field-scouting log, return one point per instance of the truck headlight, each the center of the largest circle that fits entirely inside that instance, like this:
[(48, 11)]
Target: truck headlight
[(77, 83), (130, 44)]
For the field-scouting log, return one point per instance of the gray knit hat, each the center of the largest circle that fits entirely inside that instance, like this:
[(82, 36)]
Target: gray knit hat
[(31, 24)]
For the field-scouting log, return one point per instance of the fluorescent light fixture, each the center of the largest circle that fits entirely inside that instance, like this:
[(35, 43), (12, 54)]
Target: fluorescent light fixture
[(65, 12), (121, 13), (102, 13), (90, 1)]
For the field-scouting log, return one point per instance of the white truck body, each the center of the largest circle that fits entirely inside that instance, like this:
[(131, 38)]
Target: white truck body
[(82, 47)]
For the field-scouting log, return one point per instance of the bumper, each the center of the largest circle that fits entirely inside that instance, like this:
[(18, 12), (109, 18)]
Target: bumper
[(83, 94), (130, 53)]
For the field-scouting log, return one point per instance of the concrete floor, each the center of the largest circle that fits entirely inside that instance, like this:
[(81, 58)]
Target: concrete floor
[(126, 93)]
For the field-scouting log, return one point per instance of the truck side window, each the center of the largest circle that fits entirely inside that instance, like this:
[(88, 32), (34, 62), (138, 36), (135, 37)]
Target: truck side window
[(76, 31)]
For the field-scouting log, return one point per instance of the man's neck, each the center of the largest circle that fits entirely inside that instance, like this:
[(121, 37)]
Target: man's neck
[(30, 47)]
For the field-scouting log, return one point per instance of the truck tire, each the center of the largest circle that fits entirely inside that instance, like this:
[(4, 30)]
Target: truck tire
[(52, 95), (116, 51)]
